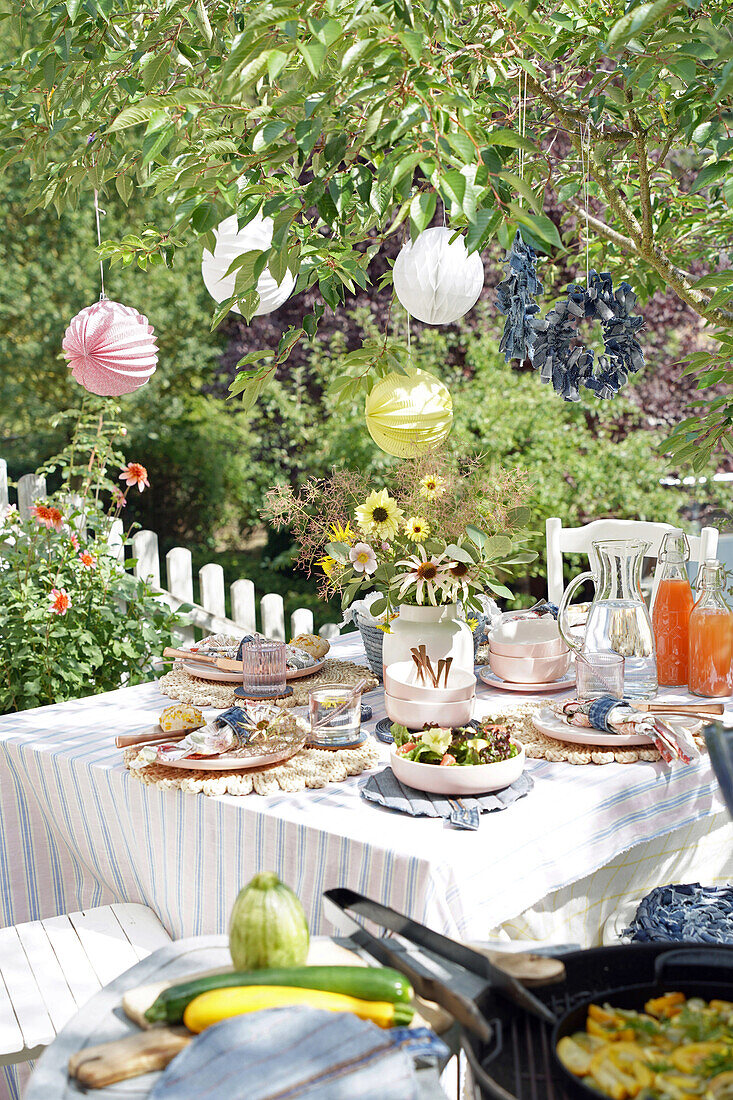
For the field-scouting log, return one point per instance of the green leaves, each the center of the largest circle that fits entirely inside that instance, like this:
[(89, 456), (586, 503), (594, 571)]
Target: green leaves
[(639, 19), (510, 138), (314, 54), (710, 175), (133, 116), (543, 229), (422, 209)]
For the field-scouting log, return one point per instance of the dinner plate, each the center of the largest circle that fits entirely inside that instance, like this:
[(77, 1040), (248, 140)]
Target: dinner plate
[(238, 760), (546, 721), (221, 676), (565, 683)]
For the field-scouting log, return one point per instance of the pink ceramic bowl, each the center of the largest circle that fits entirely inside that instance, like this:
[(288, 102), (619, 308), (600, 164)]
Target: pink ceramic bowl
[(400, 680), (529, 670), (527, 638), (415, 714)]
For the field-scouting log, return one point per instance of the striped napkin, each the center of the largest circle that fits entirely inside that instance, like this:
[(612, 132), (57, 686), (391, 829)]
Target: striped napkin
[(385, 789), (299, 1053)]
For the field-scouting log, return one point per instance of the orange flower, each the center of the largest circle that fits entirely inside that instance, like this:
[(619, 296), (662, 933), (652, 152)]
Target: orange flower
[(87, 560), (118, 498), (74, 540), (60, 601), (47, 516), (135, 474)]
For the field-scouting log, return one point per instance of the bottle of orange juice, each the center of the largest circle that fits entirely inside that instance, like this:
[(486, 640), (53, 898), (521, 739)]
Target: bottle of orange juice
[(711, 635), (671, 611)]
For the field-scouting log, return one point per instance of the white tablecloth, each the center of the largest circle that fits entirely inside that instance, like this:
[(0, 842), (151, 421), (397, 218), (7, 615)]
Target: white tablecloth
[(77, 830)]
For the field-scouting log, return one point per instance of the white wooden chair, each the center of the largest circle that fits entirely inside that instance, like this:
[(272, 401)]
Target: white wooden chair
[(50, 968), (578, 540)]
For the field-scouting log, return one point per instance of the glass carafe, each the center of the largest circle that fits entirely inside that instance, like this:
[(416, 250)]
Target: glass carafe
[(618, 619)]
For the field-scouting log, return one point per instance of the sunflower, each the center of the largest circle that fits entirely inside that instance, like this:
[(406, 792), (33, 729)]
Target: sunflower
[(426, 572), (343, 534), (432, 486), (380, 515), (417, 528)]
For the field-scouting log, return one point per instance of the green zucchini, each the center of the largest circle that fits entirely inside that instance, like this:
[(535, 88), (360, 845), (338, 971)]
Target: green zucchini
[(370, 983)]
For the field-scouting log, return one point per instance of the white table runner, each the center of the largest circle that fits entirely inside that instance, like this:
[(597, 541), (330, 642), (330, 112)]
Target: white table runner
[(76, 830)]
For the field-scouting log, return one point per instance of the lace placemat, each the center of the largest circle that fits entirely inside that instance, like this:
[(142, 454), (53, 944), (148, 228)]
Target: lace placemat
[(308, 768), (538, 746), (179, 684)]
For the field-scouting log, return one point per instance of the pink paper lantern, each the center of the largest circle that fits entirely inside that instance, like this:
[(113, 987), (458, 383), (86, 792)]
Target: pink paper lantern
[(110, 348)]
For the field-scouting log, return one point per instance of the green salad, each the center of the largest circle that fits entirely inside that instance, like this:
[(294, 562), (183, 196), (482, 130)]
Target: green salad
[(487, 743)]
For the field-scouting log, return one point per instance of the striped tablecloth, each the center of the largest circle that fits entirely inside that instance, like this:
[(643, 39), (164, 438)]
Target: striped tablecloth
[(76, 830)]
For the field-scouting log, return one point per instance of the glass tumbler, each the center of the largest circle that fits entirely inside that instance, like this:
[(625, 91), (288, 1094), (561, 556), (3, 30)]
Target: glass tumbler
[(335, 716), (598, 674), (264, 668)]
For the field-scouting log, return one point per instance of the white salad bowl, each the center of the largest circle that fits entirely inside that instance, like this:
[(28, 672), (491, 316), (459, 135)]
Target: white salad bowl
[(458, 779), (527, 638), (400, 681), (415, 713)]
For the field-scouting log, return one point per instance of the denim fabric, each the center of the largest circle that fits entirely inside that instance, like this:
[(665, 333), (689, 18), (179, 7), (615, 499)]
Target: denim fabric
[(292, 1053), (688, 912)]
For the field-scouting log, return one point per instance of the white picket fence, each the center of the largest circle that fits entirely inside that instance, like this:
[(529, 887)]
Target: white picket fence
[(208, 614)]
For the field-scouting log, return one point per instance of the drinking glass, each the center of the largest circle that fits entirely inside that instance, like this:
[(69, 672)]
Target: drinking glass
[(598, 674), (335, 717), (264, 668)]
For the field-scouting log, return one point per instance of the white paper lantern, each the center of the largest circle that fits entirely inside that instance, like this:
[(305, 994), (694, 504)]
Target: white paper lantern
[(231, 241), (436, 281)]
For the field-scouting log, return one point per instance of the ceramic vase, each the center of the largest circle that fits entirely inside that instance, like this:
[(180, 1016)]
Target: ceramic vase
[(439, 629)]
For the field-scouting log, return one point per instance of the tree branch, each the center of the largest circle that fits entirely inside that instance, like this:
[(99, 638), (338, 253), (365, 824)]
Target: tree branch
[(643, 244)]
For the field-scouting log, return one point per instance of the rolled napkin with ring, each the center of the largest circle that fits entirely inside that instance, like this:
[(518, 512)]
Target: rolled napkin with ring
[(229, 730), (612, 715)]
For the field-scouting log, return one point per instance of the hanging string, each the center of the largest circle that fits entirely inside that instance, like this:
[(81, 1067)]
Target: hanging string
[(522, 120), (97, 213), (585, 169)]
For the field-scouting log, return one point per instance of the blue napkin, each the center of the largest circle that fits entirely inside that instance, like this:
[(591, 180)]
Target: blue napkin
[(688, 912), (300, 1052), (385, 789)]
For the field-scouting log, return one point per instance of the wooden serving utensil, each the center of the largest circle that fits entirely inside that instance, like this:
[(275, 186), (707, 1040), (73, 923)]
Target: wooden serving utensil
[(694, 710), (148, 737), (142, 1052)]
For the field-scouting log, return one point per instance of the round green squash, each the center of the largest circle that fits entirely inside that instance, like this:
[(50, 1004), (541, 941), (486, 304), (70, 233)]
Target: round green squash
[(267, 927)]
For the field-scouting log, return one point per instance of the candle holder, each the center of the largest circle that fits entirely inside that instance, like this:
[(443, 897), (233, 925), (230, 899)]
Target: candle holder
[(264, 671)]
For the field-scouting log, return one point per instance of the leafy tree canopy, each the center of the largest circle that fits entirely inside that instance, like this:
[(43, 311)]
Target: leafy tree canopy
[(348, 121)]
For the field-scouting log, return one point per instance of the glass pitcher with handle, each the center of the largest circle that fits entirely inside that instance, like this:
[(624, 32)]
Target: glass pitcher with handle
[(618, 618)]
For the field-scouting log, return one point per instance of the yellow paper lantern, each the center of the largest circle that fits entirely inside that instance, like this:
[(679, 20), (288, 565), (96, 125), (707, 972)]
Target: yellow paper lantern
[(409, 414)]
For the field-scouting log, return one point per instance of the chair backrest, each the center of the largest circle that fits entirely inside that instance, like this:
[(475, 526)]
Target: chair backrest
[(579, 540)]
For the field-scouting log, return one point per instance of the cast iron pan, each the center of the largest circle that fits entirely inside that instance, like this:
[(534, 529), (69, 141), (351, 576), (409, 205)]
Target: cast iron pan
[(674, 972), (705, 972)]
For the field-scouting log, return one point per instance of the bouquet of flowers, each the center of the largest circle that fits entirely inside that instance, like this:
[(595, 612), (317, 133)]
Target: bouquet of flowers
[(443, 530)]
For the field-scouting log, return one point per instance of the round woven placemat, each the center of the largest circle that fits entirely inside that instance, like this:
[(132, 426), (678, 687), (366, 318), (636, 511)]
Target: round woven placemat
[(538, 746), (308, 768), (179, 684)]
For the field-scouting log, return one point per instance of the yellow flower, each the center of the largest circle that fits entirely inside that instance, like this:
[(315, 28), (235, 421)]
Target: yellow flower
[(417, 528), (432, 486), (343, 534), (327, 564), (380, 515)]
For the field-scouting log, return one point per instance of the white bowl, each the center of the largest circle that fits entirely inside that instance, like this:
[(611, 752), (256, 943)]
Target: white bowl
[(400, 681), (457, 779), (415, 713), (527, 638), (529, 670)]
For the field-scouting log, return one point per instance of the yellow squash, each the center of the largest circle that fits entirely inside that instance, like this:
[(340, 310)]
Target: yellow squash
[(219, 1004)]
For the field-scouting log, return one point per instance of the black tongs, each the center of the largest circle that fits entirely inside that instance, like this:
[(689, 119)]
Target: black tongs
[(463, 1008)]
